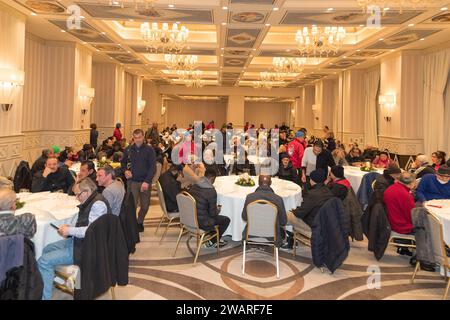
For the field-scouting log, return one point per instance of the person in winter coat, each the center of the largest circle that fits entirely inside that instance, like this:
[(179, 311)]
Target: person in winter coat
[(434, 186), (39, 164), (171, 187), (384, 181), (205, 196), (286, 171), (52, 178), (93, 136), (117, 133), (338, 185), (11, 224), (295, 149)]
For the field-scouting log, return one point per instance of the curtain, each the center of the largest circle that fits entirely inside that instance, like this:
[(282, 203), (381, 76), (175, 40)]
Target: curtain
[(436, 68), (371, 85), (447, 117)]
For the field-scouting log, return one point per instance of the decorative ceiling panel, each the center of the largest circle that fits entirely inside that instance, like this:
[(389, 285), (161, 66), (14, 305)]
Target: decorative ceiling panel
[(256, 17), (85, 33), (125, 58), (403, 38), (245, 38)]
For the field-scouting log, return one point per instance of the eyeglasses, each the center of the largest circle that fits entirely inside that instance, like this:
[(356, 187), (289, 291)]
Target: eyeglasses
[(79, 193)]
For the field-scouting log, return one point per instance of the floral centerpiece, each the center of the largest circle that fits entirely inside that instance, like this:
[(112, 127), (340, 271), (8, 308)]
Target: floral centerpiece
[(368, 167), (103, 162), (19, 204), (245, 181)]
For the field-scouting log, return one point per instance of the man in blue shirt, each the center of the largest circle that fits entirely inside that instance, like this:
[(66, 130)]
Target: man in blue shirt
[(434, 186), (139, 164)]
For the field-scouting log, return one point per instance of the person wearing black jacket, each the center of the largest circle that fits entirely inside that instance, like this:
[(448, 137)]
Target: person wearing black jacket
[(286, 171), (205, 196), (52, 178), (39, 164), (171, 187), (338, 185), (87, 153), (312, 202), (93, 136), (211, 164), (384, 181)]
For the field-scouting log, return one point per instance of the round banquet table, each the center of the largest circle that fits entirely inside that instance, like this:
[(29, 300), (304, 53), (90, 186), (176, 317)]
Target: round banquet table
[(232, 198), (354, 175), (442, 213), (57, 208)]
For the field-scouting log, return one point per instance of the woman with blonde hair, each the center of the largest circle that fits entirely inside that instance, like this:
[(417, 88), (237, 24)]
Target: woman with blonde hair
[(339, 157)]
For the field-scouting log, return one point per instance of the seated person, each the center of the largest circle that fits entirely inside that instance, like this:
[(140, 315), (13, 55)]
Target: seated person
[(265, 192), (107, 147), (399, 202), (117, 156), (385, 180), (370, 152), (286, 171), (11, 224), (421, 167), (354, 157), (117, 146), (338, 185), (339, 157), (114, 191), (208, 216), (39, 164), (313, 200), (6, 183), (191, 174), (52, 178), (171, 187), (87, 153), (210, 163), (68, 251), (87, 170), (434, 186), (437, 159), (382, 160)]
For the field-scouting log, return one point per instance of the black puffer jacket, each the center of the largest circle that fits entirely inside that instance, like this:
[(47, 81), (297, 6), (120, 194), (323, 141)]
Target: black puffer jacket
[(377, 229), (206, 197), (22, 177), (329, 239), (288, 173)]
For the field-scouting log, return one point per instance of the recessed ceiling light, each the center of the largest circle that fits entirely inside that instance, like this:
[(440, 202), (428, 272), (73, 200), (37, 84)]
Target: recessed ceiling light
[(267, 24), (444, 8), (361, 25), (411, 25), (110, 58), (128, 51), (422, 39), (84, 42), (98, 50), (254, 49), (103, 32), (344, 57), (225, 8), (330, 9), (288, 50), (119, 44), (33, 14), (276, 9), (171, 6), (131, 20), (63, 31), (224, 23), (358, 50), (386, 9), (82, 17), (381, 39)]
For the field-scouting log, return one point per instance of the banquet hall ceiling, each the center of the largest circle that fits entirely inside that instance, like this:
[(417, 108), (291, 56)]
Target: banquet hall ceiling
[(235, 40)]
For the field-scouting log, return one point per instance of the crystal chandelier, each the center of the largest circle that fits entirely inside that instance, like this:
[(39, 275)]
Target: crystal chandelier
[(164, 39), (269, 80), (320, 41), (288, 65), (181, 62), (369, 5), (191, 78)]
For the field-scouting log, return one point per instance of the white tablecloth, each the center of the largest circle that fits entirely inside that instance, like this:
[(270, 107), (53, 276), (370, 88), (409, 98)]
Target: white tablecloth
[(232, 198), (354, 175), (443, 214), (58, 208)]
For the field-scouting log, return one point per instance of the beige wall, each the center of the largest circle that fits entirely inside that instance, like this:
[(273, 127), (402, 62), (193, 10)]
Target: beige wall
[(267, 113), (185, 112)]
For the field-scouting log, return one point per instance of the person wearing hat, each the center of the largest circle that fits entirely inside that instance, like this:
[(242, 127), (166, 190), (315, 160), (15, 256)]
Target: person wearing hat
[(286, 171), (338, 184), (303, 216), (117, 133), (296, 149), (434, 186), (384, 181), (56, 150), (171, 186), (316, 157)]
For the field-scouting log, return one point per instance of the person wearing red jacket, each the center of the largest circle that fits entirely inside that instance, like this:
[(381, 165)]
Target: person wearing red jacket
[(399, 202), (295, 149), (117, 133)]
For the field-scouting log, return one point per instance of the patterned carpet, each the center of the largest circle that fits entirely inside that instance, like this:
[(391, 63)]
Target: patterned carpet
[(156, 274)]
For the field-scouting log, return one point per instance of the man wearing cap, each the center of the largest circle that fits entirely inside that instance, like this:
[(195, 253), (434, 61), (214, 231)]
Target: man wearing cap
[(171, 187), (303, 217), (286, 171), (434, 186), (316, 157), (384, 181), (296, 149), (338, 185)]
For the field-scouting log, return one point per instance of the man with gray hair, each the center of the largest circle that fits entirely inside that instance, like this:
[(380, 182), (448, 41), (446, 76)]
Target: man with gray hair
[(114, 190), (11, 224), (68, 251), (421, 167)]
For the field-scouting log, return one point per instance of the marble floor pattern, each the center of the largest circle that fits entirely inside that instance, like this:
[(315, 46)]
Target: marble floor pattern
[(155, 274)]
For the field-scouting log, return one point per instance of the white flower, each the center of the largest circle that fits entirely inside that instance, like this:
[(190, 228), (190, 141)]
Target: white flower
[(245, 176), (103, 159)]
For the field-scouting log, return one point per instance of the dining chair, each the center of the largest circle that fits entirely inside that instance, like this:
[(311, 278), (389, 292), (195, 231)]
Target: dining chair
[(189, 224), (261, 228), (170, 218)]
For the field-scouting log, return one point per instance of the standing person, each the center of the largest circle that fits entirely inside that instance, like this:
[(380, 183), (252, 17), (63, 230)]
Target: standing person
[(153, 134), (93, 137), (316, 157), (139, 165), (295, 149), (117, 133)]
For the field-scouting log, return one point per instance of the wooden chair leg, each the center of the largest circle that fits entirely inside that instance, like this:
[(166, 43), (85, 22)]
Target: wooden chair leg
[(243, 258), (198, 248), (416, 269), (160, 222), (113, 293), (178, 241), (446, 290)]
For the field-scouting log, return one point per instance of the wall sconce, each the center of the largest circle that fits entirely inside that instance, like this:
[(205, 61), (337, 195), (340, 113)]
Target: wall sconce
[(141, 106), (388, 101), (10, 81), (85, 95)]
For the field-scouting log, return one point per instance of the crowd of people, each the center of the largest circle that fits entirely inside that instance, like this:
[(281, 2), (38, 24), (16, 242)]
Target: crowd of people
[(171, 157)]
